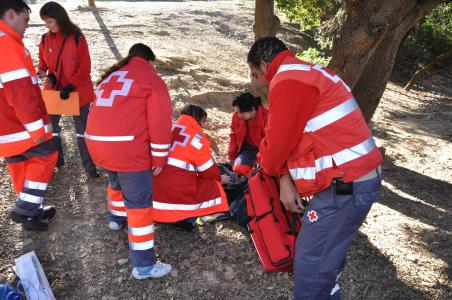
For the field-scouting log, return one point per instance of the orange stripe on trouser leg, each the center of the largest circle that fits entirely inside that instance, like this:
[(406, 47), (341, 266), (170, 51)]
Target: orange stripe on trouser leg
[(114, 195), (40, 169), (140, 217), (116, 202), (141, 228), (244, 170), (17, 171), (141, 238)]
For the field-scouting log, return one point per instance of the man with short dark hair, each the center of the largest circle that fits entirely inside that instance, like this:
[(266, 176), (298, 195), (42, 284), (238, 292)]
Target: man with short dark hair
[(25, 130), (317, 142)]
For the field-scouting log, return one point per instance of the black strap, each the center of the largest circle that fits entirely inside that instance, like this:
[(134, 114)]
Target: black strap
[(58, 62)]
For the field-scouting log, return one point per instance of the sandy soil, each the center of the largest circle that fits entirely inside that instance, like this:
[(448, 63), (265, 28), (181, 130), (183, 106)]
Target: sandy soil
[(402, 252)]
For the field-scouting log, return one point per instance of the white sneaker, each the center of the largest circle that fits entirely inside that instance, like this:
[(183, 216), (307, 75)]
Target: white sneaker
[(156, 271), (114, 225)]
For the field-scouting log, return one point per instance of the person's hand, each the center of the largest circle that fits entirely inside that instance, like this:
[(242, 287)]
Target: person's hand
[(226, 179), (289, 195), (41, 74), (64, 93), (231, 162), (156, 170), (40, 139)]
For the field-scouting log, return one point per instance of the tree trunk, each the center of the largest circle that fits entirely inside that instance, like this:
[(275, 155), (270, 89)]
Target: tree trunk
[(365, 51), (91, 2), (265, 21)]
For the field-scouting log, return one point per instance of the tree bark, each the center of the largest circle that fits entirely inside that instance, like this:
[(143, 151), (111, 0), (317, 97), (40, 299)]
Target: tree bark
[(365, 51), (91, 2), (265, 21)]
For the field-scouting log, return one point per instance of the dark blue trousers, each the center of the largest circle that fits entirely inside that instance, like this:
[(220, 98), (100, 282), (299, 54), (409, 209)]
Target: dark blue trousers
[(329, 225), (137, 192)]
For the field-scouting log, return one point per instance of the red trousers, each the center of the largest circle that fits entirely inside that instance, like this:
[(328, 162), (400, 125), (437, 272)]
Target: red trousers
[(31, 173)]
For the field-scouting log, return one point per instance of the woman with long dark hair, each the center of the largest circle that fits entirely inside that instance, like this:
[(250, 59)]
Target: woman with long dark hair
[(129, 134), (65, 61)]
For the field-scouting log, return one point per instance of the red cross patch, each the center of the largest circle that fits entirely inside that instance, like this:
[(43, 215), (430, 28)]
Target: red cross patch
[(312, 216), (115, 85), (179, 136)]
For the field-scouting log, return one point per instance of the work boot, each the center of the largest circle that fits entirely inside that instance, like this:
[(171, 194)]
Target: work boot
[(37, 223), (29, 223), (48, 212), (158, 270)]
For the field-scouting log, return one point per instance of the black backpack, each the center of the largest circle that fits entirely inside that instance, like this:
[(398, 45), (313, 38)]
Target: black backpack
[(235, 193)]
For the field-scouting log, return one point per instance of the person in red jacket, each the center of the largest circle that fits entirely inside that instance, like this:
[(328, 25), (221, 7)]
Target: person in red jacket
[(247, 131), (25, 130), (190, 185), (65, 61), (318, 143), (129, 133)]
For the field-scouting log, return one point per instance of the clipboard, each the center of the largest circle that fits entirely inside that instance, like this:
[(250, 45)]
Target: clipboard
[(56, 106)]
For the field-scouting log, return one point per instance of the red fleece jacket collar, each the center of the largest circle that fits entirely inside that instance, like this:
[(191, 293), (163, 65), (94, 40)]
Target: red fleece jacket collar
[(8, 30), (274, 65)]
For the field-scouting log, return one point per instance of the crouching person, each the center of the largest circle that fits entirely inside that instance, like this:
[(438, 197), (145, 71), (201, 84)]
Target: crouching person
[(247, 131), (25, 130), (190, 185), (128, 133)]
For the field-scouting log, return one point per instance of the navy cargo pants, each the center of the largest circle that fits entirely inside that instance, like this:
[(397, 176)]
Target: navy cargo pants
[(330, 223)]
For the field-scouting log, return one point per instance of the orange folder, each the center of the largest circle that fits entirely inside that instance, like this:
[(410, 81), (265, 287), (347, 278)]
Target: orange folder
[(56, 106)]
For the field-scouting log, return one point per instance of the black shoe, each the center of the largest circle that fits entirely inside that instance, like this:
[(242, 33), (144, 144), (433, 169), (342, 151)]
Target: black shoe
[(94, 173), (184, 225), (48, 212), (29, 223)]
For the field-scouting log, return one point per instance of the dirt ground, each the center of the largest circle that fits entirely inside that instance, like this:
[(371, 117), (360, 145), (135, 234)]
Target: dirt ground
[(402, 252)]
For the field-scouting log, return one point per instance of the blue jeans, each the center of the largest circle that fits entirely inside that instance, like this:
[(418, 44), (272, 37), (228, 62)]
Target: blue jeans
[(328, 227)]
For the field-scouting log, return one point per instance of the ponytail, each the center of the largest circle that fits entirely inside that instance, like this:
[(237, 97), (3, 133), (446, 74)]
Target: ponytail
[(114, 68), (139, 50)]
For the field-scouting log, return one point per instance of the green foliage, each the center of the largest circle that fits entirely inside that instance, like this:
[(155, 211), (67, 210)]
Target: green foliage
[(434, 31), (315, 56), (309, 13)]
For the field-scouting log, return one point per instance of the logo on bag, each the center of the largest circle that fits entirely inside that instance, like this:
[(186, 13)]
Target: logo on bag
[(312, 216)]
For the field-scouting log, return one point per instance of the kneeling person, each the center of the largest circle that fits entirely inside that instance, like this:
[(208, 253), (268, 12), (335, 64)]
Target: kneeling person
[(190, 185), (247, 131)]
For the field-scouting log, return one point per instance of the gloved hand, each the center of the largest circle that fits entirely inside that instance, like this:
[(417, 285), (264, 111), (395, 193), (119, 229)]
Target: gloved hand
[(64, 93)]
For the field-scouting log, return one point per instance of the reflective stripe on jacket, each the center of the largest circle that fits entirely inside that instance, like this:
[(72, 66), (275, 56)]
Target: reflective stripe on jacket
[(23, 117), (336, 141), (129, 125), (189, 185)]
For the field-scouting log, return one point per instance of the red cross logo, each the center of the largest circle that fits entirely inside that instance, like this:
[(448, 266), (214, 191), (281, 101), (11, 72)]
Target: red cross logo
[(312, 215), (178, 136), (115, 85)]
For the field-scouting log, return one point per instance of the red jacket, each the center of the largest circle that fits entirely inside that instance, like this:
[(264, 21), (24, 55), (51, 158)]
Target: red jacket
[(74, 66), (315, 127), (189, 185), (129, 125), (239, 131), (23, 116)]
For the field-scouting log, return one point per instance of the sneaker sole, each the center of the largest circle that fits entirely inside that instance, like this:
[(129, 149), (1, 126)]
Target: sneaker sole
[(140, 277)]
